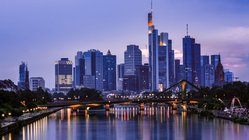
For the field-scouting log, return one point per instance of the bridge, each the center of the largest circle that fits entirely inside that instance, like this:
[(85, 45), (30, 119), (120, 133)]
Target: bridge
[(182, 100)]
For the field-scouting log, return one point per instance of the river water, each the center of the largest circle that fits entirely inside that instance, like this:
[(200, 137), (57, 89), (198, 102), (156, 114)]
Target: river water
[(155, 123)]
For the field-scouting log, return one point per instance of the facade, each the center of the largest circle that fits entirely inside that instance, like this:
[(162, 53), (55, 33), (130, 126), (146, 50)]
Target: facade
[(215, 60), (204, 63), (132, 58), (219, 74), (109, 72), (191, 60), (209, 75), (79, 70), (63, 75), (23, 82), (120, 76), (228, 76), (93, 60), (130, 83), (161, 58), (89, 81), (142, 73), (153, 42), (171, 64), (163, 61), (177, 70), (37, 82)]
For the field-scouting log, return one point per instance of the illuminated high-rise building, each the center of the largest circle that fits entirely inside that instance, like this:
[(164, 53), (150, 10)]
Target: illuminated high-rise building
[(63, 75), (120, 76), (153, 54), (23, 82), (192, 60), (93, 77), (79, 70), (109, 71), (171, 64), (204, 63), (132, 58), (160, 54)]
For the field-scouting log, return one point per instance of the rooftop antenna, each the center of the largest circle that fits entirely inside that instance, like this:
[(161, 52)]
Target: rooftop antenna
[(151, 5), (187, 29)]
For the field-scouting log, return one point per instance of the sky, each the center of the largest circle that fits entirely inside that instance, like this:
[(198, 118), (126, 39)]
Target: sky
[(40, 32)]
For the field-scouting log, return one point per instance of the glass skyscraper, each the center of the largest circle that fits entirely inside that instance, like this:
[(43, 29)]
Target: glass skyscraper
[(109, 74), (161, 61), (191, 60), (204, 63), (93, 78), (215, 60), (79, 69), (132, 58), (120, 76), (63, 75), (23, 82), (171, 64)]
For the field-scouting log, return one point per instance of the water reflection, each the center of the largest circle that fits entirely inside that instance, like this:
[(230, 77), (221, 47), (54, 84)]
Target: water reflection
[(154, 123)]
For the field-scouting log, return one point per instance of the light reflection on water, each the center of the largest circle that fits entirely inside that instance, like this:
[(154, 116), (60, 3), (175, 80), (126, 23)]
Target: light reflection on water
[(154, 123)]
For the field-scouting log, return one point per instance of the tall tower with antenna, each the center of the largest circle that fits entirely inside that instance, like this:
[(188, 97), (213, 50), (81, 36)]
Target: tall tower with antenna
[(150, 19)]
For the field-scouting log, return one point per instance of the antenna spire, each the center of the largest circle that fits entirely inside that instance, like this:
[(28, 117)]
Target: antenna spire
[(187, 29), (151, 5)]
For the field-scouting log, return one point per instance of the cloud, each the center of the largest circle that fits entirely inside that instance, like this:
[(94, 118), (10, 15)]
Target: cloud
[(178, 54), (233, 45)]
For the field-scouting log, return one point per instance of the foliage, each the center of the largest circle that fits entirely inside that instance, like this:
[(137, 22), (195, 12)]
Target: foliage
[(85, 94), (15, 102), (226, 93)]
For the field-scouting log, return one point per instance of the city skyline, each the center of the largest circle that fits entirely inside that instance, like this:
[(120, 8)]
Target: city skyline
[(40, 48)]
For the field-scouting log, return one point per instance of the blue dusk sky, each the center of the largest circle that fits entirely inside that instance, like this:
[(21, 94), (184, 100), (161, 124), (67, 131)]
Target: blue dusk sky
[(39, 32)]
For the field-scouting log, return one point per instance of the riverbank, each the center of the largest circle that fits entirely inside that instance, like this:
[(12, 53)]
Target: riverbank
[(237, 117), (27, 118)]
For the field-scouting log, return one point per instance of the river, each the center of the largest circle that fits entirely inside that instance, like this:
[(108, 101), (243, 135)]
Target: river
[(155, 123)]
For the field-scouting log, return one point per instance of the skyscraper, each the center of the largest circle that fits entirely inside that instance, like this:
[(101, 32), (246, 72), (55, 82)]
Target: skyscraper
[(63, 75), (163, 61), (179, 71), (191, 60), (160, 53), (219, 74), (37, 82), (23, 82), (132, 58), (109, 71), (209, 75), (142, 73), (120, 76), (153, 54), (79, 69), (215, 60), (204, 62), (171, 64), (93, 77)]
